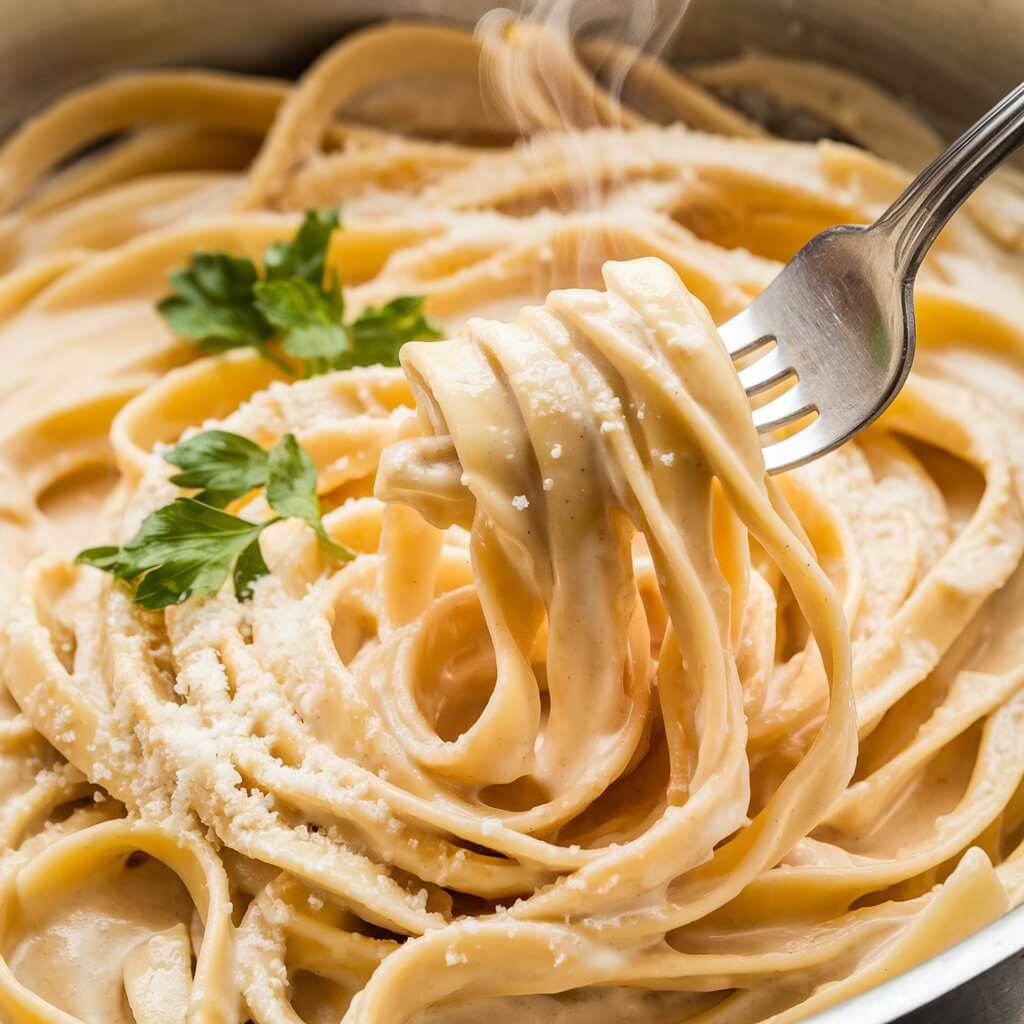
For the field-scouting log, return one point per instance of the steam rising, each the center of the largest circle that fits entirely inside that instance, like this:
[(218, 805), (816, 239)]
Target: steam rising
[(532, 70), (541, 74)]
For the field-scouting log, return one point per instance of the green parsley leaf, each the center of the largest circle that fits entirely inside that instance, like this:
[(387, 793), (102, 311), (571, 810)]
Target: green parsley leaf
[(178, 578), (248, 569), (309, 318), (291, 489), (189, 546), (212, 303), (220, 303), (222, 465), (109, 559), (182, 549), (305, 255), (378, 333)]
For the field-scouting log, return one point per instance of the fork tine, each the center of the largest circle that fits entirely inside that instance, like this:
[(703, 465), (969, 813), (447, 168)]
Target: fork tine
[(799, 448), (741, 335), (782, 410), (765, 372)]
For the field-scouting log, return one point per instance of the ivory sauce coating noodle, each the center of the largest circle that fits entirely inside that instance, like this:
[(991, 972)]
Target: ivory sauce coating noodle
[(600, 724)]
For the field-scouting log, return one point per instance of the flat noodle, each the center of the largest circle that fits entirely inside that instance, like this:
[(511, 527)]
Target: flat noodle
[(601, 724)]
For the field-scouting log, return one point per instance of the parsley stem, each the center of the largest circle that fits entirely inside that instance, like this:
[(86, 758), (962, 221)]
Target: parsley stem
[(278, 361)]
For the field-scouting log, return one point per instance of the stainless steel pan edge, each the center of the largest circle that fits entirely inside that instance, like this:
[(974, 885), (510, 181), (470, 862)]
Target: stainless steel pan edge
[(978, 981), (949, 58)]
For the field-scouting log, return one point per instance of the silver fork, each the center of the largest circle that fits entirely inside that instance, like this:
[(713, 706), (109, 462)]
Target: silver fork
[(841, 312)]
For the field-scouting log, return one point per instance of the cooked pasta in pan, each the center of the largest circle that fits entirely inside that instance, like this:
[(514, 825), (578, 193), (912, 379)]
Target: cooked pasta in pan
[(398, 621)]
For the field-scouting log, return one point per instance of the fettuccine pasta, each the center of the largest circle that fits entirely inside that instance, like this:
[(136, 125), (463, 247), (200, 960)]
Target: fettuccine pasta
[(601, 723)]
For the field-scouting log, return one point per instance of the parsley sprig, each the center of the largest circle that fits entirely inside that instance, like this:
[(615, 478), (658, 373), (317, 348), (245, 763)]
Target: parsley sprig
[(191, 545), (220, 302)]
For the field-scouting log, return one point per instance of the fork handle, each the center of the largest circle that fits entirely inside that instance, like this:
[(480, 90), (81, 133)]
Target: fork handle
[(928, 202)]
